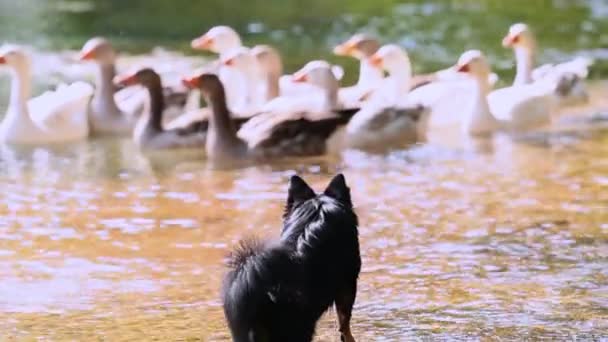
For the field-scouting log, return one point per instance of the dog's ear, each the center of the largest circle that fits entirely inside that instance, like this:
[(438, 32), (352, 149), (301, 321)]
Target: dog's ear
[(298, 192), (338, 190)]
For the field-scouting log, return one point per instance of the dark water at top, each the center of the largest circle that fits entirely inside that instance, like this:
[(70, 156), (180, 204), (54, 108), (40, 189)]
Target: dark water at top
[(434, 32)]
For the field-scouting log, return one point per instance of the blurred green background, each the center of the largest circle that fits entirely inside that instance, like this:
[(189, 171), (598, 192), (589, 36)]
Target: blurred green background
[(435, 32)]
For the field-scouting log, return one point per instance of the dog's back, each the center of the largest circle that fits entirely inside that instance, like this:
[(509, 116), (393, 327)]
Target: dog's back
[(278, 292), (262, 295)]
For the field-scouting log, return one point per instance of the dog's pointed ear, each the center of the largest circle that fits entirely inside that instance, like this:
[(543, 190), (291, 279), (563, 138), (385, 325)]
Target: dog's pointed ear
[(298, 191), (338, 189)]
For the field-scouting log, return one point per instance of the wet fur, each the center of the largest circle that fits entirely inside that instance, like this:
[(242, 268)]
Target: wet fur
[(277, 291)]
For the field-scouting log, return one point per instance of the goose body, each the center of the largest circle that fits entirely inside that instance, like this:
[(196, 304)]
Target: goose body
[(361, 47), (53, 117), (270, 81), (511, 108), (269, 134), (567, 79), (392, 119), (224, 40), (149, 133)]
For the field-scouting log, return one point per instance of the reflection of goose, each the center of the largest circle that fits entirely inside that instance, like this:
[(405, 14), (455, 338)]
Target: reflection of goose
[(512, 108), (567, 78), (112, 111), (55, 116)]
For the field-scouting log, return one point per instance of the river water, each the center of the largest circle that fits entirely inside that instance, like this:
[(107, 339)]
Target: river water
[(502, 240)]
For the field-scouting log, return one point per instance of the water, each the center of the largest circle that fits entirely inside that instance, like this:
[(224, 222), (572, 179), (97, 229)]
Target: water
[(500, 240)]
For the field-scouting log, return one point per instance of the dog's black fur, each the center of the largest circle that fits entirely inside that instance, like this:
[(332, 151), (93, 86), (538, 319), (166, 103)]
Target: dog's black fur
[(277, 291)]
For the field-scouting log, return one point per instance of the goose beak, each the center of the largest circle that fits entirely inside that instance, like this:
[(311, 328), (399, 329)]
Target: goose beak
[(203, 42), (376, 61), (299, 77), (464, 68), (86, 55), (125, 80), (345, 49), (510, 40), (191, 82)]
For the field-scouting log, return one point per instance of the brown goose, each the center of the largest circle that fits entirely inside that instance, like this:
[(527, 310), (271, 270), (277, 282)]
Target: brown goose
[(270, 134), (149, 132)]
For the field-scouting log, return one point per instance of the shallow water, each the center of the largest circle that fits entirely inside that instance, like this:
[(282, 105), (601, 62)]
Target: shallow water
[(503, 243), (494, 240)]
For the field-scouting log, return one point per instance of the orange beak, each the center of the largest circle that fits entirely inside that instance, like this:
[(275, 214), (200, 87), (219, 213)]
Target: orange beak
[(510, 40), (300, 77), (87, 55), (463, 68), (376, 61), (2, 60), (203, 42), (191, 82), (346, 49), (125, 80)]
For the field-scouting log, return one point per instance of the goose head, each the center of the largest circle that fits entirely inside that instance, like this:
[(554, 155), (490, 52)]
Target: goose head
[(318, 73), (14, 57), (208, 83), (519, 37), (393, 59), (474, 64), (242, 60), (99, 50), (146, 77), (219, 39), (269, 59), (359, 46)]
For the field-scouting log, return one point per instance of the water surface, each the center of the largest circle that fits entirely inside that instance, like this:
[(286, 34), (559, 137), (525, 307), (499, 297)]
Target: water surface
[(502, 240)]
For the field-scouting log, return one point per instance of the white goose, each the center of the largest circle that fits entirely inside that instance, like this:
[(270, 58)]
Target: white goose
[(112, 111), (568, 77), (512, 108), (222, 40), (361, 47), (441, 91), (390, 118), (273, 83), (241, 61), (53, 117)]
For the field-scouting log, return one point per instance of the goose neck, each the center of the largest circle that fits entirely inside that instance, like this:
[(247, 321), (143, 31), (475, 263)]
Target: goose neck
[(221, 128), (20, 88), (272, 85), (157, 105), (330, 96), (368, 74), (524, 58), (105, 89)]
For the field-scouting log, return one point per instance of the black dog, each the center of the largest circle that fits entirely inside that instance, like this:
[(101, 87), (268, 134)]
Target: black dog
[(277, 291)]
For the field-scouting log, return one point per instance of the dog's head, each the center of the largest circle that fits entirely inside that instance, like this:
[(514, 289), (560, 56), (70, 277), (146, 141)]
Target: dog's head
[(311, 219), (300, 192)]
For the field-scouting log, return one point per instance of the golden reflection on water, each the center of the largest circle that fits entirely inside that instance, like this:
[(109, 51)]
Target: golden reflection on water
[(100, 242)]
